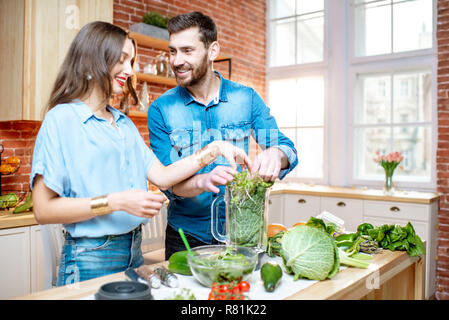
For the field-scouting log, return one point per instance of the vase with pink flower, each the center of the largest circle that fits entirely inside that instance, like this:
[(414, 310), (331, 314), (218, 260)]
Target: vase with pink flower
[(389, 162)]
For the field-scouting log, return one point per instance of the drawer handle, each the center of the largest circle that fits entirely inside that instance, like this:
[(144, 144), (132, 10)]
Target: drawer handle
[(395, 209), (269, 202), (341, 204), (302, 201)]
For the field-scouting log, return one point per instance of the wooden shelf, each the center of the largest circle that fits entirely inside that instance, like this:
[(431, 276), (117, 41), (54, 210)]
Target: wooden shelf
[(156, 79), (135, 113), (148, 41), (159, 44)]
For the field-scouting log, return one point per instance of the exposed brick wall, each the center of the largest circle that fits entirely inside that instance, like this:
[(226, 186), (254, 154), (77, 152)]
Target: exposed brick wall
[(17, 138), (241, 33), (443, 150)]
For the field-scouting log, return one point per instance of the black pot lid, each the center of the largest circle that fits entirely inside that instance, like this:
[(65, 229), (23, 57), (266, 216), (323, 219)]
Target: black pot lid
[(124, 290)]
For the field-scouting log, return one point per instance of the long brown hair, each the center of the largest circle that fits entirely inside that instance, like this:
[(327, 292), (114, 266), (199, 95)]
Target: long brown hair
[(95, 50)]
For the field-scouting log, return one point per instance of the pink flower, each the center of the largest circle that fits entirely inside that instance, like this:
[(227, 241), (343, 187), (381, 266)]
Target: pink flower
[(390, 161)]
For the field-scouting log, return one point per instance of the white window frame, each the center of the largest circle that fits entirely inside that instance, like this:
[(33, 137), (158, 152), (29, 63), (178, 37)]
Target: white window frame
[(339, 68), (387, 63), (300, 71)]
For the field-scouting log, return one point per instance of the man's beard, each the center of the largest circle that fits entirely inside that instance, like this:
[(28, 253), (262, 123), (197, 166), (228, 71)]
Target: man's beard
[(198, 74)]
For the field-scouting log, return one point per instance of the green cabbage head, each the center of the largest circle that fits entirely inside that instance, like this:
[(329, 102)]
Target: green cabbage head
[(310, 253)]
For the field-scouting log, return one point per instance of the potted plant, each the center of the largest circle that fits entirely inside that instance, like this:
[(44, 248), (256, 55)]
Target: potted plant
[(154, 25)]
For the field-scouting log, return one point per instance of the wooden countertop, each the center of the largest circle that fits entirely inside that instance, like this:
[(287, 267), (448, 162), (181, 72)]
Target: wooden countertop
[(16, 220), (353, 193), (391, 275)]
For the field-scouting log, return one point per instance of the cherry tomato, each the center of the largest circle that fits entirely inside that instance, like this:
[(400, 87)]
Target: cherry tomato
[(235, 290), (244, 286), (224, 288)]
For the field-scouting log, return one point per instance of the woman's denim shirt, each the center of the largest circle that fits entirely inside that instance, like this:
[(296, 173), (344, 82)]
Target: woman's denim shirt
[(179, 126)]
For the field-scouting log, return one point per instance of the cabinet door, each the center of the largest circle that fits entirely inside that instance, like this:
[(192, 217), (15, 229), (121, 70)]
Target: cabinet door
[(299, 207), (397, 210), (275, 209), (38, 35), (50, 27), (37, 260), (14, 262), (349, 210)]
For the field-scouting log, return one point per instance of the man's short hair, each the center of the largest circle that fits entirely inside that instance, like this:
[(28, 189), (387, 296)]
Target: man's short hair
[(207, 27)]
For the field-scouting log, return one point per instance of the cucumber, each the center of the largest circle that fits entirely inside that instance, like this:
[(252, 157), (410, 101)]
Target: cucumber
[(28, 204), (178, 263), (270, 273)]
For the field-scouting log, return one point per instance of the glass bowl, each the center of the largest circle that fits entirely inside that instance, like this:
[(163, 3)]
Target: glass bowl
[(220, 263)]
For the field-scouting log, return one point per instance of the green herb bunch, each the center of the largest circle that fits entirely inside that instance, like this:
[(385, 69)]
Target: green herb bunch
[(155, 19), (246, 209), (395, 237)]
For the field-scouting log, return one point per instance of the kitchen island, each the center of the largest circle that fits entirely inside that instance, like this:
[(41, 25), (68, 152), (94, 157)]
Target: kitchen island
[(391, 275)]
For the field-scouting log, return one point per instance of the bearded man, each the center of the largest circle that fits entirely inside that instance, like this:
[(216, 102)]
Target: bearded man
[(205, 107)]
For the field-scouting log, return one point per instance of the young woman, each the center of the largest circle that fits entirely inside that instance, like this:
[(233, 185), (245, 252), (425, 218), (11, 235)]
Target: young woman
[(91, 166)]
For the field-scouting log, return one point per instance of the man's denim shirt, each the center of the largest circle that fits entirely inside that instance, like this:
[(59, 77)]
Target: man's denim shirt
[(179, 126)]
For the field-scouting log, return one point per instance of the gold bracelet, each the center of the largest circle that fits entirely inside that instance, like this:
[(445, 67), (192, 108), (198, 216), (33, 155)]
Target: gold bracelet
[(99, 205), (206, 155)]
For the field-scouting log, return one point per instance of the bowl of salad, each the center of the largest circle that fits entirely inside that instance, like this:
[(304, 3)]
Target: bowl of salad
[(221, 263)]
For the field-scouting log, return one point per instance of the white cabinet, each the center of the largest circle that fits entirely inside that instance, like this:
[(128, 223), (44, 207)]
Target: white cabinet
[(37, 269), (299, 208), (21, 262), (350, 210), (423, 217), (15, 262), (356, 210), (275, 209)]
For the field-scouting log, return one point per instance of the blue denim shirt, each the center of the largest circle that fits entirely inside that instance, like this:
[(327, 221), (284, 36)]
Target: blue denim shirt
[(179, 126)]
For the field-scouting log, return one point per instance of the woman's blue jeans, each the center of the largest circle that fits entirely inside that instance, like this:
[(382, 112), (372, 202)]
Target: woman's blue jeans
[(87, 258)]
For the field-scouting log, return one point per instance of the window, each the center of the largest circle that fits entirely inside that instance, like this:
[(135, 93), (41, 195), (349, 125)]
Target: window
[(296, 31), (297, 101), (393, 122), (348, 78), (392, 109), (299, 113), (391, 26)]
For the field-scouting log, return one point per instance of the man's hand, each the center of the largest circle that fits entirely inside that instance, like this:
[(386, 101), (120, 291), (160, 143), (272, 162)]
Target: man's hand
[(220, 175), (269, 163)]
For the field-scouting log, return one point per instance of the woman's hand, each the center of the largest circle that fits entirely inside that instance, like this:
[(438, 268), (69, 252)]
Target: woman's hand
[(220, 175), (139, 203), (232, 154)]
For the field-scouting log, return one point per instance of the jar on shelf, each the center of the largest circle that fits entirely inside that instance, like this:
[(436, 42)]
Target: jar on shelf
[(151, 67), (162, 64)]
